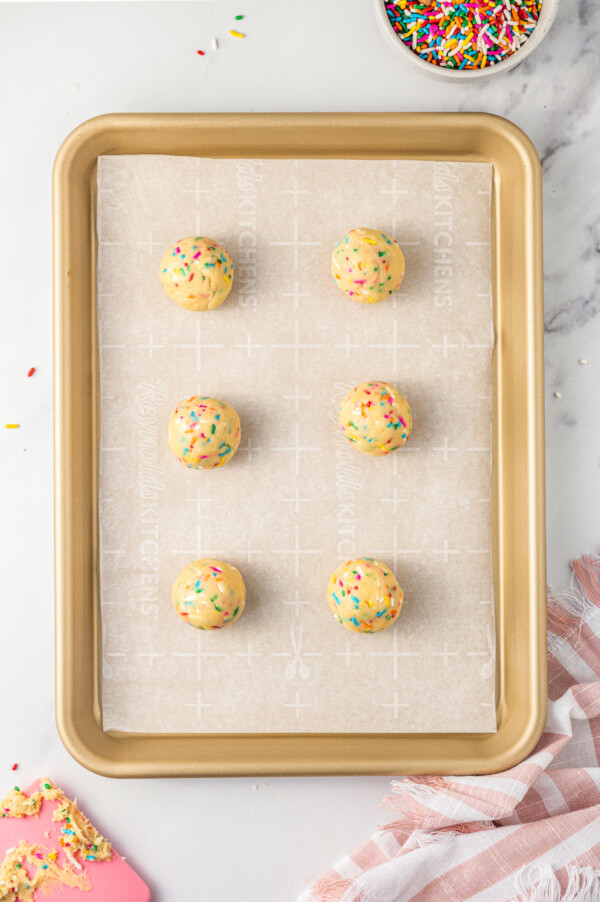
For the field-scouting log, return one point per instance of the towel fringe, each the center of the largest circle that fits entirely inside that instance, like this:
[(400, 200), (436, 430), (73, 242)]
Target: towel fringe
[(332, 889), (567, 609), (414, 798), (583, 885), (577, 604)]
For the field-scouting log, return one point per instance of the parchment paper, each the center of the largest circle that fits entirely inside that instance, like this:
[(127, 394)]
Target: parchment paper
[(297, 499)]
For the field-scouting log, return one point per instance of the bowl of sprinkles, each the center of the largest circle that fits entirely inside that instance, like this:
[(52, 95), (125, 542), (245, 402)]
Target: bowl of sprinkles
[(450, 39)]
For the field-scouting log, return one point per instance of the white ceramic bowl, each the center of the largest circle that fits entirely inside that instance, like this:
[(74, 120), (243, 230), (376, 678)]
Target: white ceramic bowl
[(546, 18)]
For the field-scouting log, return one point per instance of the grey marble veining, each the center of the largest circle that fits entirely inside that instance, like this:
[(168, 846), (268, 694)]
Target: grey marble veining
[(555, 97)]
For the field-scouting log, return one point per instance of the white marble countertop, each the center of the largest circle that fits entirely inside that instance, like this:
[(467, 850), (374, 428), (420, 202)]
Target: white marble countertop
[(61, 63)]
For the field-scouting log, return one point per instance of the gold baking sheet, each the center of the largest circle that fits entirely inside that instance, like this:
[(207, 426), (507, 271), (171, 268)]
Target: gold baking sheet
[(517, 516)]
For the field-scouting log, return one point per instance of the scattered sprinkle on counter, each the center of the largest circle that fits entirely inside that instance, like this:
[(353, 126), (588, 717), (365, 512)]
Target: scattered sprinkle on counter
[(12, 426), (31, 371), (200, 52), (470, 35), (582, 361), (237, 34), (14, 767), (557, 394), (214, 44), (237, 18)]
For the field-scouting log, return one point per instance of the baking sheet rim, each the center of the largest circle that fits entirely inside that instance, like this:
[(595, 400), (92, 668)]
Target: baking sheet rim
[(77, 700)]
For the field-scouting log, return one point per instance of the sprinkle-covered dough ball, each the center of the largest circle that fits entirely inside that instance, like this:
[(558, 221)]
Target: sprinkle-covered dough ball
[(364, 595), (367, 265), (204, 433), (197, 273), (375, 417), (209, 594)]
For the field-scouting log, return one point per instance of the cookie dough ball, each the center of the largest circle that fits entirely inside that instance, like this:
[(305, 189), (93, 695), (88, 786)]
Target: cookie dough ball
[(367, 265), (197, 273), (375, 417), (204, 433), (209, 594), (364, 595)]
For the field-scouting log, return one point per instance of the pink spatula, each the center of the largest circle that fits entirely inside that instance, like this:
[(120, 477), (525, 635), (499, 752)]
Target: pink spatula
[(111, 881)]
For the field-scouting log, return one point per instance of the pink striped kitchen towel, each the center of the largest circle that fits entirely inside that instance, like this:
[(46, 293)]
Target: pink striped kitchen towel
[(530, 834)]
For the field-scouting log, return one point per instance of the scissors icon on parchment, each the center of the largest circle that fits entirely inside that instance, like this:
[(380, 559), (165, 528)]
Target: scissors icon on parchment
[(297, 666)]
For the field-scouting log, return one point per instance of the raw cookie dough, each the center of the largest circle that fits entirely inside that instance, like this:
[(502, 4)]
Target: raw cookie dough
[(204, 433), (364, 595), (375, 417), (367, 265), (209, 594), (84, 838), (44, 871), (197, 273), (46, 874)]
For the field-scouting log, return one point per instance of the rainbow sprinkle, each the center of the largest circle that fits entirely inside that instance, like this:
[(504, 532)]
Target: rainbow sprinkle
[(470, 35)]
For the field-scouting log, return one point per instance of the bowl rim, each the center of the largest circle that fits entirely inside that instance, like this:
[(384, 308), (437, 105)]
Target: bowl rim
[(547, 15)]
